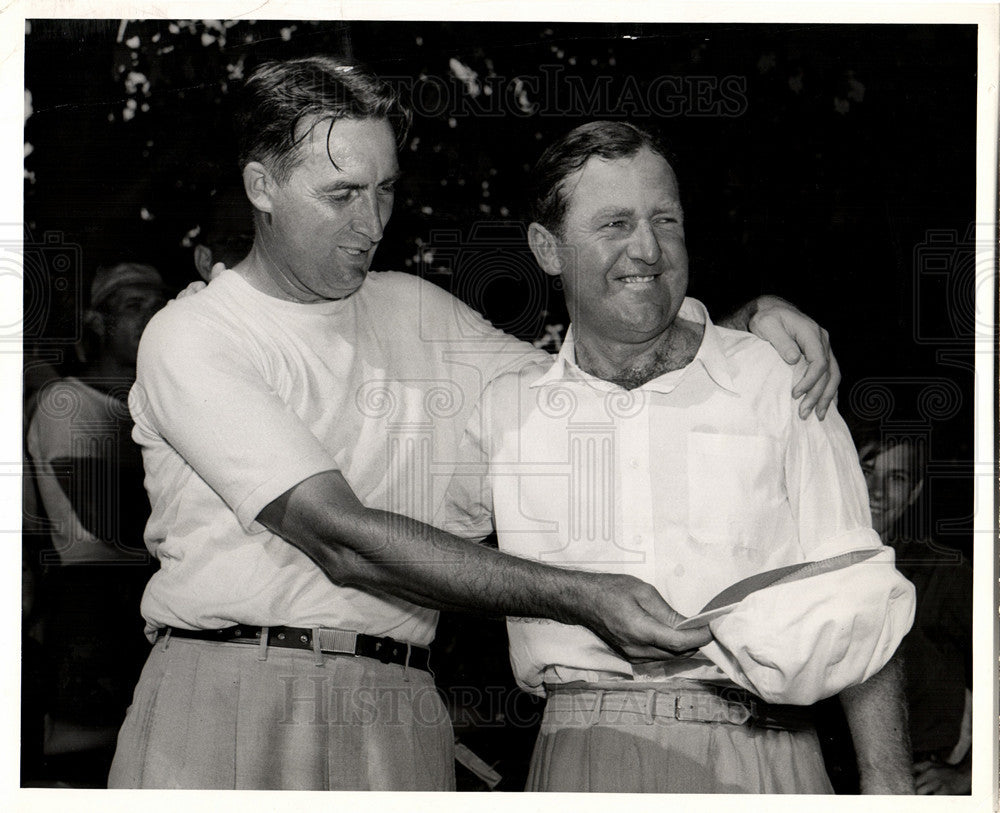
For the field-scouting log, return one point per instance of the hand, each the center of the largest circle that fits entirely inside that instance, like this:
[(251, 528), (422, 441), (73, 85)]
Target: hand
[(793, 335), (938, 779), (192, 289), (633, 619)]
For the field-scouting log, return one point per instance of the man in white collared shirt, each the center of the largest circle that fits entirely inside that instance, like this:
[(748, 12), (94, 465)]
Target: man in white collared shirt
[(661, 446)]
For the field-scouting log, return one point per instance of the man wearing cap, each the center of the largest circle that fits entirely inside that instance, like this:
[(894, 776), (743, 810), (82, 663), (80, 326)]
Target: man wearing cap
[(665, 447), (88, 474), (300, 399)]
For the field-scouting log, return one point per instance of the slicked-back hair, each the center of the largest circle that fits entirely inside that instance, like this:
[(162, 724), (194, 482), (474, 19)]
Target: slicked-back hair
[(278, 96), (604, 139)]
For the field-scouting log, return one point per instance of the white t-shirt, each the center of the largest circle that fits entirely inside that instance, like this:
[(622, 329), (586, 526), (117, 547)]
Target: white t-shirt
[(241, 396), (78, 440)]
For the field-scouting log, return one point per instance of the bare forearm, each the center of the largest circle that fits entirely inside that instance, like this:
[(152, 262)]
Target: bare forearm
[(393, 554), (876, 715), (388, 553)]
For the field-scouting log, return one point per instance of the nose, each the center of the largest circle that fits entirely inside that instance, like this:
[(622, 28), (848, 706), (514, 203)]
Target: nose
[(874, 484), (643, 245), (370, 219)]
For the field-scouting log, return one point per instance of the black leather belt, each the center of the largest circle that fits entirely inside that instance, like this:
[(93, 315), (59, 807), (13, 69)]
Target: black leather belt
[(331, 642)]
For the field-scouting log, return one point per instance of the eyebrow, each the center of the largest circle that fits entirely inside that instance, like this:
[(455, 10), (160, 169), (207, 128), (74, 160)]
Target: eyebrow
[(610, 211), (624, 211), (339, 186)]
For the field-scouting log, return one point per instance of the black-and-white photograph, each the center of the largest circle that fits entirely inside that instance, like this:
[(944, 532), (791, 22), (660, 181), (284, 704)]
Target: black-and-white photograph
[(506, 405)]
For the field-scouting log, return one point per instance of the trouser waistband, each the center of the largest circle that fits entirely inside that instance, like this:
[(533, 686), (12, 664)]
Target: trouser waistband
[(319, 640), (586, 704)]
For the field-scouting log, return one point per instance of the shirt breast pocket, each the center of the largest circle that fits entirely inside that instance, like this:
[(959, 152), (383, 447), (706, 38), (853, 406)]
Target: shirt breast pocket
[(736, 493)]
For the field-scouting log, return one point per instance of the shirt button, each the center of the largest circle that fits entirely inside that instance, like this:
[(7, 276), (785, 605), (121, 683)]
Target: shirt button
[(634, 463), (637, 539)]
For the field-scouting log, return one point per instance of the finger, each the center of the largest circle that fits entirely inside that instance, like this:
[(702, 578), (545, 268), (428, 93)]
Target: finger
[(663, 619), (678, 641), (650, 601), (785, 345), (193, 288), (830, 392), (641, 653), (811, 398)]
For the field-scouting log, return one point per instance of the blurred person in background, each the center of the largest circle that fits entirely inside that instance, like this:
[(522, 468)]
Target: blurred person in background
[(224, 234), (938, 650), (88, 474)]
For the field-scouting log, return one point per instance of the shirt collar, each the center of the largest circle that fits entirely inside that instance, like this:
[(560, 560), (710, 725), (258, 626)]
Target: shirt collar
[(710, 356)]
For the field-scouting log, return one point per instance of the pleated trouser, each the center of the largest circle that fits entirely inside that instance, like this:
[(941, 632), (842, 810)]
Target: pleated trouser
[(215, 715), (633, 752)]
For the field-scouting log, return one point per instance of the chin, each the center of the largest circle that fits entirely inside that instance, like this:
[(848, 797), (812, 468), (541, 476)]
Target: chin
[(346, 287)]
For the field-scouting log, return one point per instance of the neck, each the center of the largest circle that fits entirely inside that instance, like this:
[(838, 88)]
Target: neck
[(256, 267), (631, 365)]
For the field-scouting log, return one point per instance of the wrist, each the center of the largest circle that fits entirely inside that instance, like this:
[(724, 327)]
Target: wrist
[(574, 597)]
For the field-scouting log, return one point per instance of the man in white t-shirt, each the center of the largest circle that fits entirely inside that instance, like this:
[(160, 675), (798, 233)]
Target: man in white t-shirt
[(300, 420)]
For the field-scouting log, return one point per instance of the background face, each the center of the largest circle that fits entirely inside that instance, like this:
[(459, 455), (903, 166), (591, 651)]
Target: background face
[(892, 483)]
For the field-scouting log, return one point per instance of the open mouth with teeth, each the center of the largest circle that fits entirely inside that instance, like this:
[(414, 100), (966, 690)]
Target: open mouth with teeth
[(637, 279), (354, 252)]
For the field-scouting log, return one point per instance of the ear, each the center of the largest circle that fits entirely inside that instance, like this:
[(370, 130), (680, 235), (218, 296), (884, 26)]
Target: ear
[(203, 261), (545, 246), (259, 185), (915, 493)]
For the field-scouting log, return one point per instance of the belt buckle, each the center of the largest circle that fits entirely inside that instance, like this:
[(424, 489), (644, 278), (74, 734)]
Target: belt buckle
[(337, 641), (386, 649), (704, 708)]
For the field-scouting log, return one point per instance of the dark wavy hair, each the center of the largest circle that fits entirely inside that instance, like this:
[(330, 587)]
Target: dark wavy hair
[(604, 139), (278, 96), (872, 438)]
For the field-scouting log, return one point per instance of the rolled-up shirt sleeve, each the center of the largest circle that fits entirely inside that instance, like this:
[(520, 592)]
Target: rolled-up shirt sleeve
[(805, 640)]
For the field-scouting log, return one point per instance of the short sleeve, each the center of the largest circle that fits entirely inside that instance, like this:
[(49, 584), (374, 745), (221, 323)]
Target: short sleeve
[(200, 391), (467, 510)]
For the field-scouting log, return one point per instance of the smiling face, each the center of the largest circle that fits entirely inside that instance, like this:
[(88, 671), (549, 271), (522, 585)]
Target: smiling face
[(327, 218), (621, 251), (893, 486)]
